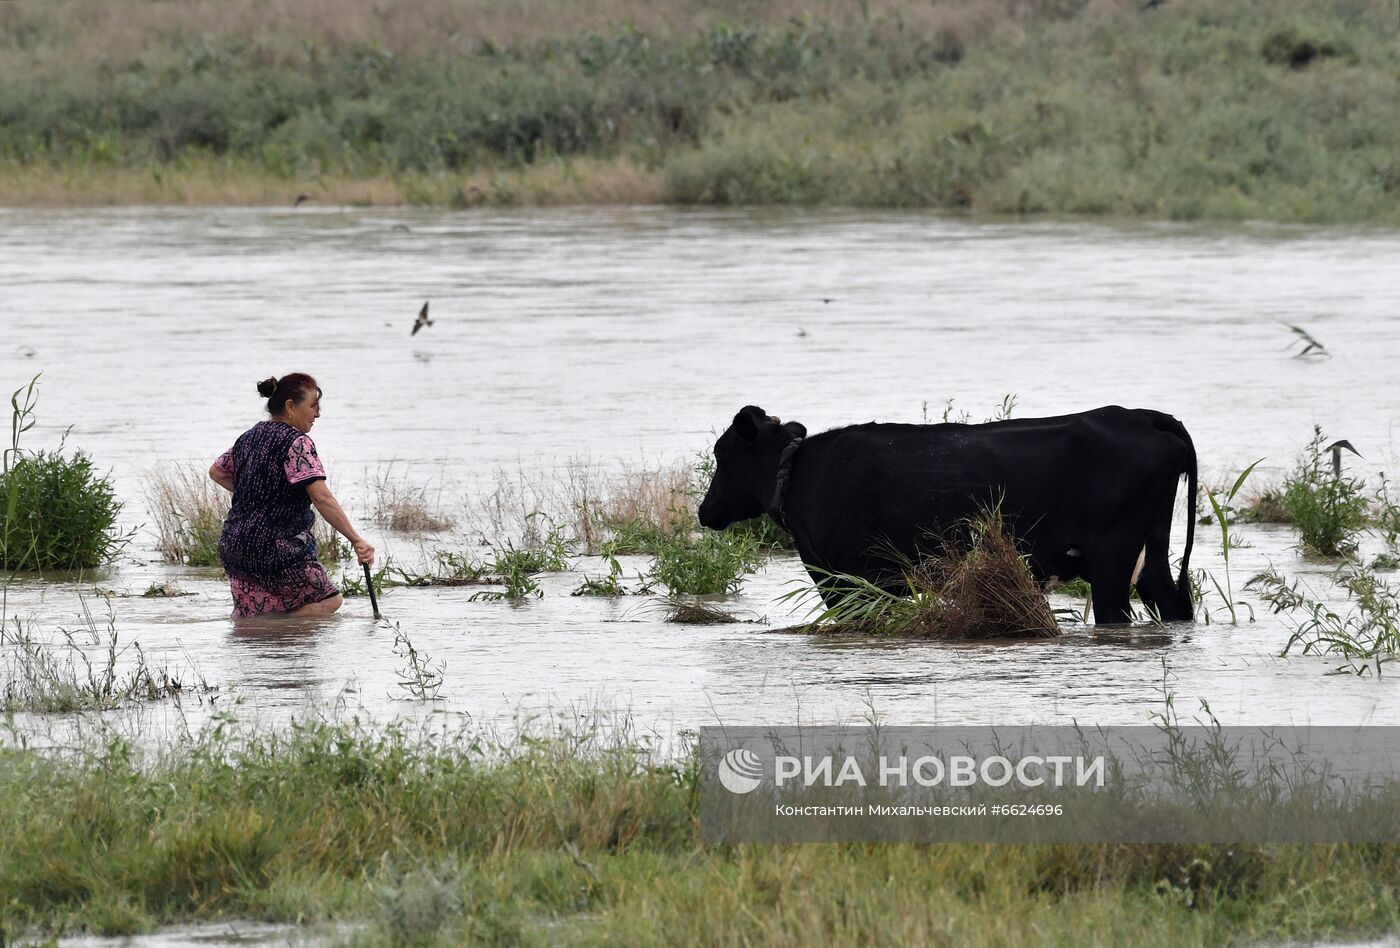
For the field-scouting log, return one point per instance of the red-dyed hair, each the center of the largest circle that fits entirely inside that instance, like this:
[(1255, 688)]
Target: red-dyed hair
[(295, 386)]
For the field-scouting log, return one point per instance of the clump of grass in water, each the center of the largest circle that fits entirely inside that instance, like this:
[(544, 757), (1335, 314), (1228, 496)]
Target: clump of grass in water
[(405, 507), (631, 512), (58, 513), (189, 511), (514, 572), (1367, 635), (450, 569), (645, 510), (1265, 506), (715, 562), (164, 591), (352, 584), (608, 586), (517, 566), (61, 678), (978, 588), (1386, 522), (687, 610), (1329, 509)]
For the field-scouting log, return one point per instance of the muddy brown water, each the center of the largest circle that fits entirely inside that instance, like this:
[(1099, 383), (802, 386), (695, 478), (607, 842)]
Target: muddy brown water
[(631, 336)]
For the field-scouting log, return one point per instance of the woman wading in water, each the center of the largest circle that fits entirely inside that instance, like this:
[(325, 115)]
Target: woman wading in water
[(276, 477)]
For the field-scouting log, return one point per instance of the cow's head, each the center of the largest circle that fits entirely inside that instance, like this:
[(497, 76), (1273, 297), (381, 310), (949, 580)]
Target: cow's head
[(746, 467)]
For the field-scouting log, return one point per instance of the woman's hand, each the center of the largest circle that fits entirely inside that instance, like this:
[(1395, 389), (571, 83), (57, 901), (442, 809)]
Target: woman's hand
[(364, 552)]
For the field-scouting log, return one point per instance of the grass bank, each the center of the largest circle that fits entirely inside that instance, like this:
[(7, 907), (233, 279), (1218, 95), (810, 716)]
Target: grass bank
[(1195, 109), (583, 838)]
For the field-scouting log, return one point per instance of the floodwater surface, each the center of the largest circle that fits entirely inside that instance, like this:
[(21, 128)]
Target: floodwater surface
[(631, 336)]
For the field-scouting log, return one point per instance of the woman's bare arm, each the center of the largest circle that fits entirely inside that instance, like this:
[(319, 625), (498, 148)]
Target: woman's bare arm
[(329, 508), (221, 477)]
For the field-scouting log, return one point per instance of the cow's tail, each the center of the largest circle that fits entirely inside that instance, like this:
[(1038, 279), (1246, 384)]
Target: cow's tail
[(1183, 580)]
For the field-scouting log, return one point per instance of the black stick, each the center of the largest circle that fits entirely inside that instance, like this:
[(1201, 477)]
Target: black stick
[(373, 599)]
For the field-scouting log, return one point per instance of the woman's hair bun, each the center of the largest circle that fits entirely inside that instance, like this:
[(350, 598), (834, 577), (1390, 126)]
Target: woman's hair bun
[(267, 386)]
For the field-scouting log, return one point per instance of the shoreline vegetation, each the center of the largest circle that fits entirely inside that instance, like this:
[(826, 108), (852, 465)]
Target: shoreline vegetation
[(583, 834), (1195, 109)]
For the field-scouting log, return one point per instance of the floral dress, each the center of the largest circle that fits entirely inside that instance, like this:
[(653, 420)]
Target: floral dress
[(266, 546)]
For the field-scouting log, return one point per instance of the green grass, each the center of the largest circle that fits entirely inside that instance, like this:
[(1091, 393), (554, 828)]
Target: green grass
[(580, 839), (1386, 515), (56, 511), (59, 677), (710, 562), (1216, 110), (62, 514), (1366, 635), (604, 587), (1330, 510)]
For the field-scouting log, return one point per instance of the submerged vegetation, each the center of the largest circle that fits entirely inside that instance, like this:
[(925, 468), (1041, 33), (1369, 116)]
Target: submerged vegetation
[(60, 677), (715, 562), (1206, 109), (1366, 634), (1222, 510), (406, 507), (978, 586)]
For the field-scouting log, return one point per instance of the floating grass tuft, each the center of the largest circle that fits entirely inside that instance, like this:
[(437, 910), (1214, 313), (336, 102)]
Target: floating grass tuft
[(683, 610), (978, 587)]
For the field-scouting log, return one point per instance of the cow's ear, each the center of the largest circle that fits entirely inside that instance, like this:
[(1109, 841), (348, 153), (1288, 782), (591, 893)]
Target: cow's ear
[(795, 429), (746, 422)]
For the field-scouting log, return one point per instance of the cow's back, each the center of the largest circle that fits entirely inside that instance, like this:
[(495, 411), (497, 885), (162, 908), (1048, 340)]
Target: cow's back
[(860, 492)]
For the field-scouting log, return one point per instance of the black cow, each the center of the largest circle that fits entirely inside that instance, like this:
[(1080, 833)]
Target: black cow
[(1087, 495)]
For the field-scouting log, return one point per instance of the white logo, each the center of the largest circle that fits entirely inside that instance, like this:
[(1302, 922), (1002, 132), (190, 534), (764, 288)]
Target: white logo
[(740, 771)]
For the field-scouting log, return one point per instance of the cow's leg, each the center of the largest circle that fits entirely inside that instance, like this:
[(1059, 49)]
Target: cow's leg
[(1157, 587), (1110, 574)]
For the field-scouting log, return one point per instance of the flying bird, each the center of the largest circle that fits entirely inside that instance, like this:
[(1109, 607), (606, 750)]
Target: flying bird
[(421, 321), (1336, 448), (301, 199), (1311, 347)]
